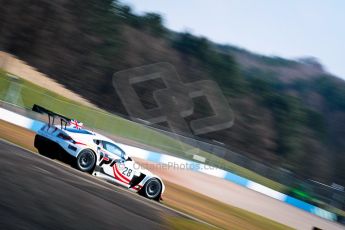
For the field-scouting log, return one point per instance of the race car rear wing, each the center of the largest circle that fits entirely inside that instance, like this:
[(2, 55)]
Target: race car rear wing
[(51, 116)]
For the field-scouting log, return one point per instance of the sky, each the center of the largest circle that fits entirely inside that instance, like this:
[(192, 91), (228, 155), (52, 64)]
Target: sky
[(290, 28)]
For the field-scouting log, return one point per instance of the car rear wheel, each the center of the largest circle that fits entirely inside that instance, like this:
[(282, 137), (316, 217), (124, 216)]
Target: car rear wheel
[(86, 160), (152, 189)]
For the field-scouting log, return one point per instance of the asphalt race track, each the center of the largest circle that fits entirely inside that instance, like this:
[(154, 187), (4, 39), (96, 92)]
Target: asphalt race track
[(39, 193)]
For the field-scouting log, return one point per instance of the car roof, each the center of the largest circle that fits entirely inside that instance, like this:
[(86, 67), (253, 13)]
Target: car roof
[(103, 138), (87, 132)]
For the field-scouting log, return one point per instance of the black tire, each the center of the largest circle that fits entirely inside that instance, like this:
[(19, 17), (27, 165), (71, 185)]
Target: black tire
[(152, 189), (86, 160)]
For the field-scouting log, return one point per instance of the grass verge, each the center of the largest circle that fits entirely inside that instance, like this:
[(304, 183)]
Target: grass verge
[(214, 212)]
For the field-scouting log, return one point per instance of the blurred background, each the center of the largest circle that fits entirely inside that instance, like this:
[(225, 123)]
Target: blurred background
[(289, 113)]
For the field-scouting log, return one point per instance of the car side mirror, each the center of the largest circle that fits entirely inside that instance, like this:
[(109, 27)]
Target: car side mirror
[(120, 161)]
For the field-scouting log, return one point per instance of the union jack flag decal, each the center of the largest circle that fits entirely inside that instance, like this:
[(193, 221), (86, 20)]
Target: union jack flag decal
[(75, 124)]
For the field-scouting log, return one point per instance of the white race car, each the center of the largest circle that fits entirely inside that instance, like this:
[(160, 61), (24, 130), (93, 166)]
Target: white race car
[(95, 154)]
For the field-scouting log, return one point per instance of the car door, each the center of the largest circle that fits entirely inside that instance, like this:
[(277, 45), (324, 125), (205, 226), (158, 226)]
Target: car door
[(115, 164)]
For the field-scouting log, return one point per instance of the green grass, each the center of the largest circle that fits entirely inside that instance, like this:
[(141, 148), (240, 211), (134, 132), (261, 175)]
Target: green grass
[(177, 223), (212, 211), (25, 94)]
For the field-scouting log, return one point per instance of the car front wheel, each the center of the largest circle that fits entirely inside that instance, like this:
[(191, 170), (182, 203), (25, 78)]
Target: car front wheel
[(152, 189)]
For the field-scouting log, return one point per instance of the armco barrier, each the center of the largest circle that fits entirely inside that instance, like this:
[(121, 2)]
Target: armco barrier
[(34, 125)]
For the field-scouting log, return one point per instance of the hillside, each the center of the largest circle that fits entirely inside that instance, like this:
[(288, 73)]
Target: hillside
[(16, 67), (288, 113)]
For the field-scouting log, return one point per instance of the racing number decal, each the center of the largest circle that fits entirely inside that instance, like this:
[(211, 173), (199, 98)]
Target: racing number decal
[(127, 172), (121, 176)]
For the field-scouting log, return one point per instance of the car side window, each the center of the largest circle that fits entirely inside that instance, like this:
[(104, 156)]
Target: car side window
[(113, 149)]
